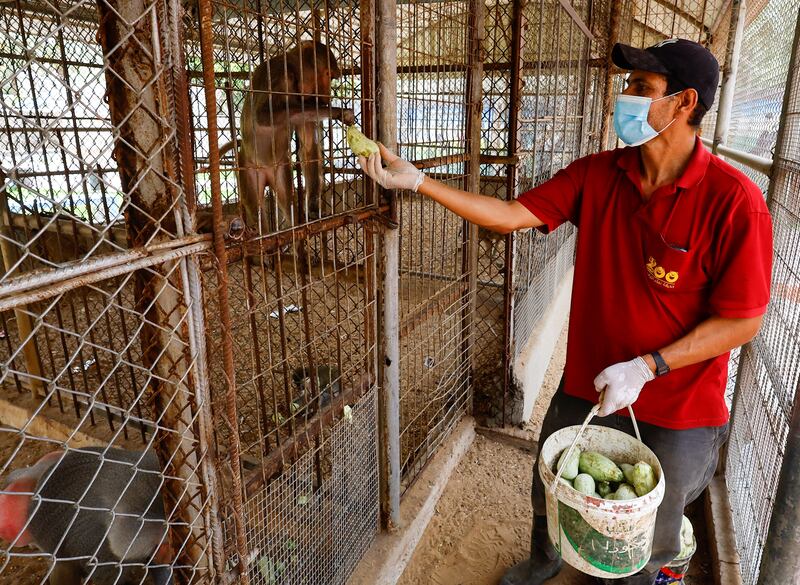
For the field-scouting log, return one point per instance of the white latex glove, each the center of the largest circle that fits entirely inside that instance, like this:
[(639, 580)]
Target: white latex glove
[(399, 173), (622, 383)]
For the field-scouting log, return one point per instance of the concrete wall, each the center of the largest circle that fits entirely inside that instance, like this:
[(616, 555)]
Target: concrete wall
[(531, 365)]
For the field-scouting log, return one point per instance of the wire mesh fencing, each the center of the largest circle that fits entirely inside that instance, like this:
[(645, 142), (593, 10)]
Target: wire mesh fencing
[(559, 86), (113, 335), (769, 366), (301, 279), (433, 54), (232, 380), (760, 82), (105, 410)]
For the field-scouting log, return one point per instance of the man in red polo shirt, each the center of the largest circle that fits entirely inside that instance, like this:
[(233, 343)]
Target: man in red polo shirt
[(672, 271)]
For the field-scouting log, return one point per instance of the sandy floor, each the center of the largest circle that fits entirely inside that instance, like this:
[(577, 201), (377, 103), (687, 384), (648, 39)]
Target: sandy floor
[(482, 522)]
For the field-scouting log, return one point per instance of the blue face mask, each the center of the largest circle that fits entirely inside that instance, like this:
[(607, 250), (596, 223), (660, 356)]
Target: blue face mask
[(630, 119)]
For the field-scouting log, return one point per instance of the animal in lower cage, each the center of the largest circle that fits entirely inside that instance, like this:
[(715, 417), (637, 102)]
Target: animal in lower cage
[(98, 511), (328, 382)]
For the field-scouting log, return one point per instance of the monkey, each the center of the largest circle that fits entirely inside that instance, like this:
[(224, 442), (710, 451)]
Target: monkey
[(290, 92), (328, 386), (100, 510)]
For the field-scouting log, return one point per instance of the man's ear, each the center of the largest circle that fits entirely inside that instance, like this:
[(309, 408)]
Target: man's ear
[(687, 100)]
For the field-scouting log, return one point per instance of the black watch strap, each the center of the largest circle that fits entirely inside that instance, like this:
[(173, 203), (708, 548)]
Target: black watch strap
[(661, 366)]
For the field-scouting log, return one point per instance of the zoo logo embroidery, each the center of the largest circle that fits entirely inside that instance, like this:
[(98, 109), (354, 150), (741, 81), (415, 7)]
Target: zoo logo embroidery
[(659, 275)]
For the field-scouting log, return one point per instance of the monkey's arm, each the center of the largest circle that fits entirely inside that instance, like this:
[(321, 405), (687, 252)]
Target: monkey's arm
[(280, 110)]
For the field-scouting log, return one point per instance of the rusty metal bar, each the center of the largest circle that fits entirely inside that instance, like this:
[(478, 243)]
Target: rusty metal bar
[(440, 161), (59, 287), (494, 66), (50, 277), (255, 351), (193, 288), (608, 90), (413, 69), (11, 258), (371, 231), (472, 182), (389, 399), (232, 418), (511, 159), (273, 242), (565, 4)]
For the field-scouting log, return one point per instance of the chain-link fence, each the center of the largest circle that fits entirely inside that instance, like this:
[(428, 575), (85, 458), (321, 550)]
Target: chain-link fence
[(559, 86), (768, 370), (105, 406), (199, 378)]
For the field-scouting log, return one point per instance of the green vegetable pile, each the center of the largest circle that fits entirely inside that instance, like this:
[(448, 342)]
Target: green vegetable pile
[(594, 474), (360, 144)]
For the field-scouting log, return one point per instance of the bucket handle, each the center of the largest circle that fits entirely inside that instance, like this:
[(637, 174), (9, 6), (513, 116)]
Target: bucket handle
[(590, 416)]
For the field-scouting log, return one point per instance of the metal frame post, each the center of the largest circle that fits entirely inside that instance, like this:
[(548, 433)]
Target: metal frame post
[(389, 397), (231, 415), (517, 36), (732, 53), (469, 245)]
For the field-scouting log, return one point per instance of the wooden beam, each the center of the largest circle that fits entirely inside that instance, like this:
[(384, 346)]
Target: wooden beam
[(36, 424), (11, 256)]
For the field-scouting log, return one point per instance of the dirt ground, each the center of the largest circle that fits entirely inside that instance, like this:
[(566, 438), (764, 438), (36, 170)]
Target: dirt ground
[(482, 522)]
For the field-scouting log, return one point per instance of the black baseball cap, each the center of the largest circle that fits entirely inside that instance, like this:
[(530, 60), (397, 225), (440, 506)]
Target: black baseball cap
[(690, 64)]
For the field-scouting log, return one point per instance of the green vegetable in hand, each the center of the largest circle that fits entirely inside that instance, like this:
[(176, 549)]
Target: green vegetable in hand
[(360, 144), (644, 480), (600, 467), (584, 483), (571, 468)]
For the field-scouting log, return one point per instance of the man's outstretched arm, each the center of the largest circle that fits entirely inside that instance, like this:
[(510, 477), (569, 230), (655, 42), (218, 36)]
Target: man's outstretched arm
[(489, 212)]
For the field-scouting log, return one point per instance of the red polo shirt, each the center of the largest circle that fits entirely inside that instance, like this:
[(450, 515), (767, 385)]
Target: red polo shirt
[(648, 272)]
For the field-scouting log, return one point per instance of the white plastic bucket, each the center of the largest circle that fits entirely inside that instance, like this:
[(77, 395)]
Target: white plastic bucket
[(603, 538)]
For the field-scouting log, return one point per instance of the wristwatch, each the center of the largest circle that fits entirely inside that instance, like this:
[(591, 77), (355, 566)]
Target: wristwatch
[(661, 366)]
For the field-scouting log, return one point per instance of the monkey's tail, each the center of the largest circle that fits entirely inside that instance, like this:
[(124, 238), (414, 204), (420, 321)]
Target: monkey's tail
[(230, 145)]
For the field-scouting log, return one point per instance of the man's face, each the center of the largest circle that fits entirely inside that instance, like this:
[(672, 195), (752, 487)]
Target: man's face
[(652, 85)]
